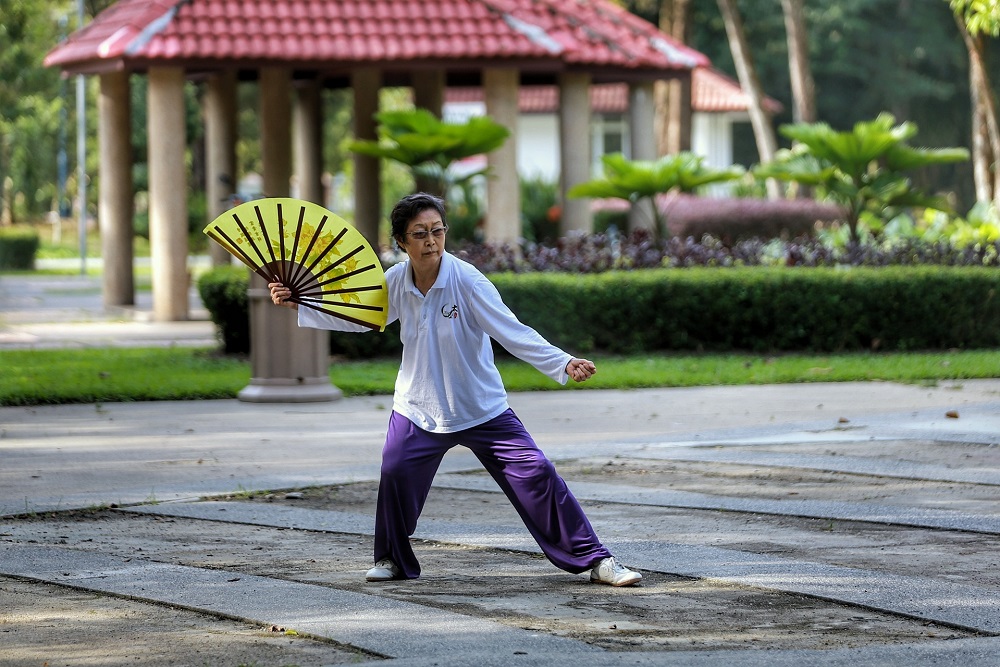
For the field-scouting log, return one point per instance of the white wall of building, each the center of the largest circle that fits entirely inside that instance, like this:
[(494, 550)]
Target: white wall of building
[(538, 138), (538, 146)]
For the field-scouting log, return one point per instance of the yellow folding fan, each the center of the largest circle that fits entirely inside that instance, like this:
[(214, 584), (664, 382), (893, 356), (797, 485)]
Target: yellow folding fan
[(326, 263)]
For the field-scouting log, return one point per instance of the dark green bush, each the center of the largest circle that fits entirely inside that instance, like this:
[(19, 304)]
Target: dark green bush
[(367, 345), (197, 218), (606, 218), (539, 210), (18, 247), (223, 291)]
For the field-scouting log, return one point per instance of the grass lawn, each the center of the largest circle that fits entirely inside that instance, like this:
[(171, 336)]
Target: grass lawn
[(38, 377)]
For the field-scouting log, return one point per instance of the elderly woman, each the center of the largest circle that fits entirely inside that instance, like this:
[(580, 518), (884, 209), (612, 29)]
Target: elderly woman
[(449, 392)]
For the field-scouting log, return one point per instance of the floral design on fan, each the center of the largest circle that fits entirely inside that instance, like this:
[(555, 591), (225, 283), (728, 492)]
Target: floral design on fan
[(348, 266), (308, 232)]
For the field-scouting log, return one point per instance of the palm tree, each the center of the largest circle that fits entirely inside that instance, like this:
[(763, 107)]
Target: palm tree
[(429, 146), (640, 181), (861, 170)]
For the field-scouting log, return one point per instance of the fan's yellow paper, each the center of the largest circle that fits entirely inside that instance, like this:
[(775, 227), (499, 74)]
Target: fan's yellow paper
[(326, 263)]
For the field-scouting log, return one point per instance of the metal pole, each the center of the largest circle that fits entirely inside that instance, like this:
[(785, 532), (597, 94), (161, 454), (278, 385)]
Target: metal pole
[(62, 161), (81, 156)]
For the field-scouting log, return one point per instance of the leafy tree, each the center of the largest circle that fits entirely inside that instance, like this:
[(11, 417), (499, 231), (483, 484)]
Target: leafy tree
[(862, 170), (980, 16), (673, 98), (638, 181), (803, 86), (429, 146), (916, 69), (977, 19), (36, 104), (746, 71), (29, 108)]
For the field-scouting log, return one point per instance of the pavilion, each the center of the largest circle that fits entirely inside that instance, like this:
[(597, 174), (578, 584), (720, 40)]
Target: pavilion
[(295, 48)]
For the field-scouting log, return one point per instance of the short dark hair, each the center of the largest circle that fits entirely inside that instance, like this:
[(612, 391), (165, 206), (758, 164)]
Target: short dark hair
[(409, 207)]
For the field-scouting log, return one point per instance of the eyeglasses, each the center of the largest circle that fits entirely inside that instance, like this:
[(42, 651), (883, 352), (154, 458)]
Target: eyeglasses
[(422, 234)]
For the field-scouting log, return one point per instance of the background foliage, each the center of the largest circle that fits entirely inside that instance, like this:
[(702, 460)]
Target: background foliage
[(868, 56)]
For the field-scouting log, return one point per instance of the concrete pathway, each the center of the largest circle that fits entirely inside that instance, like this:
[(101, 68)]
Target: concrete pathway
[(175, 453)]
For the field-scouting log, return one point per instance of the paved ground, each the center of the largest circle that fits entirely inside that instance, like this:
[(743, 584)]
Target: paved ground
[(65, 311), (821, 524)]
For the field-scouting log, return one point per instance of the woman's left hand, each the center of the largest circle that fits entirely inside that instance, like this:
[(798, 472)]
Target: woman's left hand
[(580, 369)]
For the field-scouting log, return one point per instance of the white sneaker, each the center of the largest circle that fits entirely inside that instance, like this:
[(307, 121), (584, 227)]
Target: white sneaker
[(610, 571), (384, 570)]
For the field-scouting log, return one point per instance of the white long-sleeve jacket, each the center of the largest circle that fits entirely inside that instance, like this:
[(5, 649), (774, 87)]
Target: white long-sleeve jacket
[(447, 380)]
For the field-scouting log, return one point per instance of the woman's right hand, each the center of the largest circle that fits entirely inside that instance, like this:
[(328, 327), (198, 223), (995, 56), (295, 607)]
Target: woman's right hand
[(280, 295)]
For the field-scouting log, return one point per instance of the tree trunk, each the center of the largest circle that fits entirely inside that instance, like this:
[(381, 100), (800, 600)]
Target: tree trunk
[(984, 114), (763, 132), (5, 219), (803, 87), (982, 156), (673, 98)]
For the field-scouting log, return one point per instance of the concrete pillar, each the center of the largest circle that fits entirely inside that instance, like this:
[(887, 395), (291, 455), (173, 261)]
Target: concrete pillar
[(574, 151), (115, 205), (308, 130), (276, 130), (168, 211), (682, 100), (428, 93), (503, 189), (288, 364), (220, 152), (642, 138), (428, 90), (366, 83)]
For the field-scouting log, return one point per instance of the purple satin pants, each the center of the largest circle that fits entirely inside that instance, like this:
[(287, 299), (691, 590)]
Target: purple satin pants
[(552, 515)]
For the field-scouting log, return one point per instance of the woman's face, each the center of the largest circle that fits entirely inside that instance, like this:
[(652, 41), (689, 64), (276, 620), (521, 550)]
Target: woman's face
[(425, 252)]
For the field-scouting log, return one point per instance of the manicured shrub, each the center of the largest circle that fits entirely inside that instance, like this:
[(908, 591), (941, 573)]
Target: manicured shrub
[(735, 219), (223, 291), (730, 219), (762, 309), (18, 247), (759, 309)]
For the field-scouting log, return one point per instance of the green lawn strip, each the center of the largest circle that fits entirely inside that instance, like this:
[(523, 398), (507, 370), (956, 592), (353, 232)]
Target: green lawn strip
[(735, 369), (39, 377)]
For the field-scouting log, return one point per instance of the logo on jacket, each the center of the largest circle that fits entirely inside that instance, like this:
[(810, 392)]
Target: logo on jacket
[(450, 312)]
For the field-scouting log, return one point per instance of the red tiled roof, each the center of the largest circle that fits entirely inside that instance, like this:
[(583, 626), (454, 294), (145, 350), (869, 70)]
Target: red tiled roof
[(711, 92), (321, 33)]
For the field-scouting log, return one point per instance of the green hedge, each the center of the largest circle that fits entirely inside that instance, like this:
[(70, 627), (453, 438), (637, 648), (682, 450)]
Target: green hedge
[(18, 247), (223, 291), (762, 309), (752, 309)]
